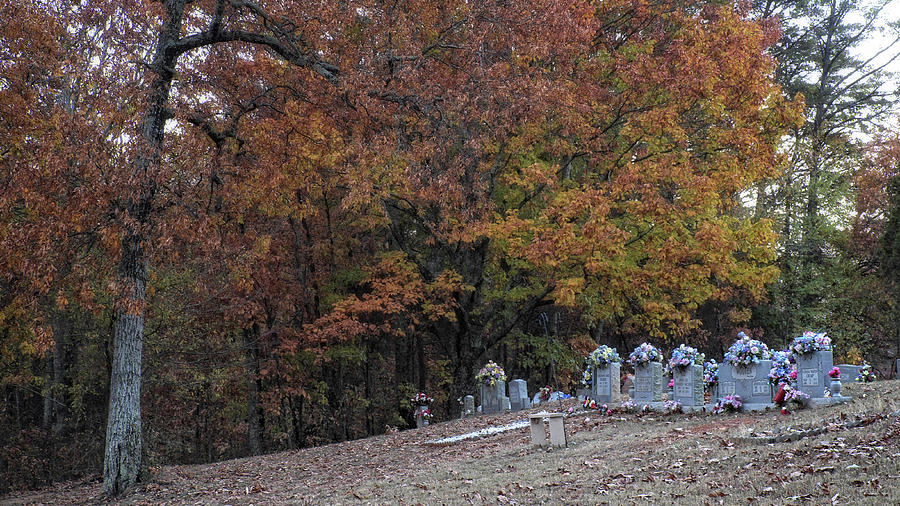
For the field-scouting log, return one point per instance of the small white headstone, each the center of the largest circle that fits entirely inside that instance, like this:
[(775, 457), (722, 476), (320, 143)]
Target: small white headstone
[(468, 406)]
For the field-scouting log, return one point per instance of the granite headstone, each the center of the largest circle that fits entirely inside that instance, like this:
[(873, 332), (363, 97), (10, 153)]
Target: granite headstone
[(518, 395), (606, 387), (648, 382), (811, 372), (750, 382), (688, 385)]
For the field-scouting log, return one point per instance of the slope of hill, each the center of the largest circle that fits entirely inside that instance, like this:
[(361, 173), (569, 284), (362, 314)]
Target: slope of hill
[(617, 459)]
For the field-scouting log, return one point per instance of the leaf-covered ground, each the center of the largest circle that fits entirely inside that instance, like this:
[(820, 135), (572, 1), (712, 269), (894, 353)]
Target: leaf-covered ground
[(619, 459)]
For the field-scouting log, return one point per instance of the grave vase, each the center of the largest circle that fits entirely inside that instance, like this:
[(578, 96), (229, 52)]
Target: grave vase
[(835, 387)]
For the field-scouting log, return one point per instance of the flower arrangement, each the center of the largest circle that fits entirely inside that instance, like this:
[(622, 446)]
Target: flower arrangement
[(834, 373), (684, 356), (781, 368), (672, 407), (795, 397), (603, 356), (422, 400), (746, 351), (490, 374), (589, 404), (643, 354), (810, 342), (587, 377), (865, 374), (426, 413), (710, 373), (671, 383), (544, 393), (730, 403), (629, 406)]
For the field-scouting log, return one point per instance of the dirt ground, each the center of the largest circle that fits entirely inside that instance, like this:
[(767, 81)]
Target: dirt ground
[(618, 459)]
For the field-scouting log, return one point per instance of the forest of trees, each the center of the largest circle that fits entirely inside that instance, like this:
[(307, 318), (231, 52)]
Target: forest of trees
[(230, 227)]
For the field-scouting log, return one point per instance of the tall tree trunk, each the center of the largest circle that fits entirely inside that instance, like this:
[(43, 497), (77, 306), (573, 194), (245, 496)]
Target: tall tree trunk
[(60, 332), (422, 369), (48, 397), (122, 459), (251, 364), (123, 434)]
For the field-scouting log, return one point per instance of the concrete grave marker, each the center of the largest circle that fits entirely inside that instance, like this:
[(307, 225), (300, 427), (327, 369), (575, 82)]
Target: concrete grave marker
[(492, 397), (688, 385), (518, 395), (468, 406), (421, 421), (554, 396), (849, 372), (750, 382), (648, 382), (606, 388), (811, 370)]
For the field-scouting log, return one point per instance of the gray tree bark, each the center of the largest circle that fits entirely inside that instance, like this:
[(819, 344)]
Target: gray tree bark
[(122, 458), (122, 461)]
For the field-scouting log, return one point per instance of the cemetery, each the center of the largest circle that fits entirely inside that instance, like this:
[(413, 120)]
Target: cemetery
[(618, 458), (510, 251)]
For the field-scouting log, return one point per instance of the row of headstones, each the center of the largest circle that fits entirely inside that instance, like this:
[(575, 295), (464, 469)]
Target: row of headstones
[(494, 399), (750, 383)]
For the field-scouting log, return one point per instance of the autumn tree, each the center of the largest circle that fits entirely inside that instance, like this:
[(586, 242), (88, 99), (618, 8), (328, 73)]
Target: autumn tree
[(871, 252), (339, 200), (636, 230), (846, 91)]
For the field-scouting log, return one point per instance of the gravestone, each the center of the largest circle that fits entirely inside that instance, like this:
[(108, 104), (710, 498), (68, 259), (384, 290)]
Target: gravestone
[(606, 388), (688, 385), (504, 404), (518, 395), (468, 406), (849, 372), (583, 393), (648, 382), (421, 421), (897, 369), (492, 397), (554, 396), (750, 382), (811, 372), (628, 385)]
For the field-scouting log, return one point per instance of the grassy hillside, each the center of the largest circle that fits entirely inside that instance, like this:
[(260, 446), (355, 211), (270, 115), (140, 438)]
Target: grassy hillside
[(619, 459)]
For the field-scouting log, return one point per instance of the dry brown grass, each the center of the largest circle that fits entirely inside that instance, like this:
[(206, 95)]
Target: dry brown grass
[(627, 459)]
